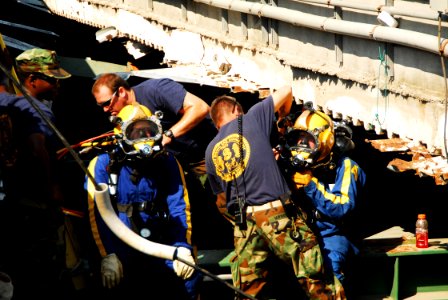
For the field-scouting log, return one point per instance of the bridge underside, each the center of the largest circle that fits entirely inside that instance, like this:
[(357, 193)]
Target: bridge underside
[(388, 80)]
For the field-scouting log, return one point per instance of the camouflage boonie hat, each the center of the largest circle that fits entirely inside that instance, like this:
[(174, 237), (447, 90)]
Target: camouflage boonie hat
[(43, 61)]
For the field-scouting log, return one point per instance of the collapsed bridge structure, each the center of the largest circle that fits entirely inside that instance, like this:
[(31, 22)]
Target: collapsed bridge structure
[(378, 64)]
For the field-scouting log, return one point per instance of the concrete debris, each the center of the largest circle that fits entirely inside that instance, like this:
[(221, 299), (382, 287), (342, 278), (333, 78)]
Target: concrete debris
[(221, 78), (423, 165), (424, 162)]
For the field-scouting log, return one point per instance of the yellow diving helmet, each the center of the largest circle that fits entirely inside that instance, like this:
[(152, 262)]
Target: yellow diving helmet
[(311, 139), (139, 129)]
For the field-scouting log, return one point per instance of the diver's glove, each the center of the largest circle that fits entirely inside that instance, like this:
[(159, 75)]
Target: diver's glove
[(111, 271), (302, 178), (182, 270)]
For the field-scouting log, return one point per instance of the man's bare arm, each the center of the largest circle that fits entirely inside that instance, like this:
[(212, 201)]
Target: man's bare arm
[(193, 111), (282, 100)]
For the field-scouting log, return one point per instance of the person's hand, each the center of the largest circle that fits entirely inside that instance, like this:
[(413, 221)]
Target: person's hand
[(182, 270), (276, 152), (111, 271), (302, 178), (165, 140)]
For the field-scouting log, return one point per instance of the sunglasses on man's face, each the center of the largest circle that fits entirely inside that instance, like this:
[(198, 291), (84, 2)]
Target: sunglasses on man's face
[(107, 102)]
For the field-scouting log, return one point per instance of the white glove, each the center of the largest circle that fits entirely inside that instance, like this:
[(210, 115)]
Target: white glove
[(182, 270), (111, 271)]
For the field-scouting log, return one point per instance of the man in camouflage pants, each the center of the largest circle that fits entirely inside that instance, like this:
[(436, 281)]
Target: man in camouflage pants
[(271, 231), (244, 175)]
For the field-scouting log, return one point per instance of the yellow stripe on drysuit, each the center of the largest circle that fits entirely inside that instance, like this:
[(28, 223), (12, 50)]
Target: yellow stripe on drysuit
[(91, 207), (343, 199), (187, 204)]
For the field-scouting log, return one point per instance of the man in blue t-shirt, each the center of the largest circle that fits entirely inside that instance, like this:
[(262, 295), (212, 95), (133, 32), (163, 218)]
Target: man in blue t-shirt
[(187, 131), (31, 194), (33, 137), (187, 128), (253, 194)]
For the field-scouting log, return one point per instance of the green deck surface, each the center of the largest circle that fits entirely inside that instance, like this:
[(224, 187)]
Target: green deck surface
[(415, 270)]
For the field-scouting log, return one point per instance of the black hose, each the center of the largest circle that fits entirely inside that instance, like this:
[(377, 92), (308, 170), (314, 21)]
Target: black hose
[(213, 276)]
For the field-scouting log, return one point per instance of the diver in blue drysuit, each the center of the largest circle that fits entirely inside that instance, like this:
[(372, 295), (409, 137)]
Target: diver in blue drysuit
[(328, 183), (151, 198)]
